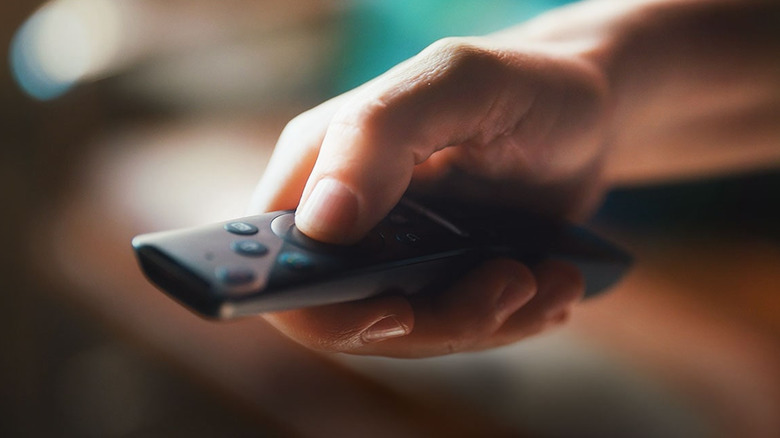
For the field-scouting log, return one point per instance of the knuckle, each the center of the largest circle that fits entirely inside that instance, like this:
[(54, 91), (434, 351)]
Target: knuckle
[(302, 120), (337, 341), (458, 345), (301, 131), (455, 50), (467, 336), (478, 319), (440, 69), (458, 58), (316, 330), (365, 116)]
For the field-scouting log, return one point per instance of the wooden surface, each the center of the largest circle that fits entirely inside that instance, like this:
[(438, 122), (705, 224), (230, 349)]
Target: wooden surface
[(697, 316), (702, 315)]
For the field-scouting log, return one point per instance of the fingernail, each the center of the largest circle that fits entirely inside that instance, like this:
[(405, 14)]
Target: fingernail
[(330, 210), (514, 296), (386, 328)]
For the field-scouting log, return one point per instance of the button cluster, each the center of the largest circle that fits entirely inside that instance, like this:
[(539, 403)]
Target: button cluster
[(239, 275), (405, 232), (291, 260)]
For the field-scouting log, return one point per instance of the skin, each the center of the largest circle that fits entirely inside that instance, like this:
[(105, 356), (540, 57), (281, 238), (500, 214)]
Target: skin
[(548, 115)]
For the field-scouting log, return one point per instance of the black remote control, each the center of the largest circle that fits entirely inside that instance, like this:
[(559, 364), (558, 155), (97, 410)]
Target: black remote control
[(264, 263)]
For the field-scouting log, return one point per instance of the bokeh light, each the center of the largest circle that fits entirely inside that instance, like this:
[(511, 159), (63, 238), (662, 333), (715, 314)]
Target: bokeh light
[(62, 43)]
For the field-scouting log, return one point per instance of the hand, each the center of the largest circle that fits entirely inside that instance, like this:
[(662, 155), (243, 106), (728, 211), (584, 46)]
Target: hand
[(465, 116)]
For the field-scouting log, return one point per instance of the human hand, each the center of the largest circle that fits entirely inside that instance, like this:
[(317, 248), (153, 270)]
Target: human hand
[(465, 116)]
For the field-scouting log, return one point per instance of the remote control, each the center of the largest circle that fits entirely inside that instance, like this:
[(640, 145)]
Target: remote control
[(263, 263)]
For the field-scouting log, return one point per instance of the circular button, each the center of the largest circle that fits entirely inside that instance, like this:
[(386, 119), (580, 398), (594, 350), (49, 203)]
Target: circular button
[(241, 228), (284, 227), (281, 224), (235, 275), (249, 248), (296, 261)]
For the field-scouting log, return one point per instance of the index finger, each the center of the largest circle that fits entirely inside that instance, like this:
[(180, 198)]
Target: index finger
[(292, 160), (450, 94)]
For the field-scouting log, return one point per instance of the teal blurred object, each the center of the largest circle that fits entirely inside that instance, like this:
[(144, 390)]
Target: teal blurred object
[(382, 33)]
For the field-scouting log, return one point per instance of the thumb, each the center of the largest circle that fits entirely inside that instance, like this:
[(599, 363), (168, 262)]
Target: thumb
[(395, 122)]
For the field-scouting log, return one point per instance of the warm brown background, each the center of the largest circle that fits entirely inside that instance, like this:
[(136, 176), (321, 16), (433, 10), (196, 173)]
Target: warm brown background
[(88, 348)]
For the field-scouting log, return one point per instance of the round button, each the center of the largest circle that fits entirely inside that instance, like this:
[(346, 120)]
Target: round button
[(249, 248), (296, 261), (235, 275), (284, 227), (281, 225), (241, 228)]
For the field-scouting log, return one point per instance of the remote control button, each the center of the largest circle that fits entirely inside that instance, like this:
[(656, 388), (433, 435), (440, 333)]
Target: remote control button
[(409, 238), (235, 275), (296, 237), (241, 228), (284, 227), (249, 248), (281, 224), (296, 261)]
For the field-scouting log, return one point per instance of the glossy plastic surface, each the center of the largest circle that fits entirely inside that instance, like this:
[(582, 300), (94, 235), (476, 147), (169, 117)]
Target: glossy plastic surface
[(263, 263)]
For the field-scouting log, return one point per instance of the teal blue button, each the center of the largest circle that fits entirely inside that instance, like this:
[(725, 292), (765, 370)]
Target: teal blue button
[(296, 261)]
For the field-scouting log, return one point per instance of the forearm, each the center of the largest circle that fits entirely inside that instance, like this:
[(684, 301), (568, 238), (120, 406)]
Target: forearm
[(694, 84)]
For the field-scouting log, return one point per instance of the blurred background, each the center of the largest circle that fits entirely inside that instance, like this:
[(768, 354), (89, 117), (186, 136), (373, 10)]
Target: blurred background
[(125, 116)]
